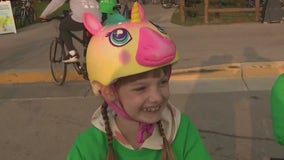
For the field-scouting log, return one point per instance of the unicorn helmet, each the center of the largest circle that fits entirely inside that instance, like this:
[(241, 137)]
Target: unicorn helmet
[(126, 48)]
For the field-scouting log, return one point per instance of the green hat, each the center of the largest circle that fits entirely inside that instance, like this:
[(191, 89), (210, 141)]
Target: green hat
[(114, 18), (106, 6)]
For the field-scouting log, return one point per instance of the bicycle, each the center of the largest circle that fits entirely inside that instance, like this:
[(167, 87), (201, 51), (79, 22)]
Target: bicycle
[(57, 52), (24, 13), (169, 4), (251, 3)]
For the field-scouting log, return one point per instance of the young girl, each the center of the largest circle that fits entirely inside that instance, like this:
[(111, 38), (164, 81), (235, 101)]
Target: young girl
[(129, 65)]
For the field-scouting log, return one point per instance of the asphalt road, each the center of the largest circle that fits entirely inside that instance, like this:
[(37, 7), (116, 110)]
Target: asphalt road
[(41, 120)]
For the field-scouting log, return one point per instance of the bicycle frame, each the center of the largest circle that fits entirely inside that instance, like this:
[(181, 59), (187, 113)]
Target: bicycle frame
[(84, 41), (58, 52)]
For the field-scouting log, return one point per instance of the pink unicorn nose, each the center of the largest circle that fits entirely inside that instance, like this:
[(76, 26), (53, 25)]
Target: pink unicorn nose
[(154, 49)]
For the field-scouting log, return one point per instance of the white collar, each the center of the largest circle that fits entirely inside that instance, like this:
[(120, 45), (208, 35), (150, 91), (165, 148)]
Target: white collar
[(170, 121)]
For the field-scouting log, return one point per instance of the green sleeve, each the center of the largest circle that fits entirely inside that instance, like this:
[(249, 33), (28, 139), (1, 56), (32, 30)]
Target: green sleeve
[(74, 153), (89, 145), (277, 109), (189, 141)]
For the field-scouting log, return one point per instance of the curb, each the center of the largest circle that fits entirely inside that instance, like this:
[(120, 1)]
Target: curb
[(250, 76), (34, 77), (230, 70)]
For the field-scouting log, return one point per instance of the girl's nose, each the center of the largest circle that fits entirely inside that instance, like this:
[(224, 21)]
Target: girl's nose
[(156, 95)]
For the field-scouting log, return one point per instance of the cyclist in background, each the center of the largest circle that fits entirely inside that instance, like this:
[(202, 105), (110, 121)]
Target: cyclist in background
[(73, 22)]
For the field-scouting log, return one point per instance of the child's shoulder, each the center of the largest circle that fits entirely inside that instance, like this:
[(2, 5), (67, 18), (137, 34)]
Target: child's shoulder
[(185, 119), (186, 125), (91, 134), (91, 143)]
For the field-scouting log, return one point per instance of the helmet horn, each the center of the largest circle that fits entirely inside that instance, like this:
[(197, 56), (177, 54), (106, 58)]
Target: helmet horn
[(137, 12)]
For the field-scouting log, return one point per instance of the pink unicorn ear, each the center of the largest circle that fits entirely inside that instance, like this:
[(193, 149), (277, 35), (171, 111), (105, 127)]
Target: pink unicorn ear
[(91, 22)]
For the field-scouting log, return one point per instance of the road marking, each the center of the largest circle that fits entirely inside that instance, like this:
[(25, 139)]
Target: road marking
[(34, 77), (224, 71)]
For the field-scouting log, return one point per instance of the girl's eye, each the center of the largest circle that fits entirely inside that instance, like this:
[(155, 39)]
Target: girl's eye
[(164, 82), (119, 37), (139, 88)]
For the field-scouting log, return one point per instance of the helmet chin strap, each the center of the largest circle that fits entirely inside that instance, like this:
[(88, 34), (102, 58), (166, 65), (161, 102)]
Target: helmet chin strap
[(143, 127)]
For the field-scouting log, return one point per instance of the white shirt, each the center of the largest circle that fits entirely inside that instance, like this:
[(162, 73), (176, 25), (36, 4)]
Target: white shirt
[(78, 7)]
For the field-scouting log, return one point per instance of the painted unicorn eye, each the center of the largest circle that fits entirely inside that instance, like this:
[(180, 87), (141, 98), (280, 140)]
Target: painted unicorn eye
[(119, 37)]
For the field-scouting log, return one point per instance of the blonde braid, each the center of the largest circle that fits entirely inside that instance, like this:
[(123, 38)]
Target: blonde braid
[(111, 153), (167, 153)]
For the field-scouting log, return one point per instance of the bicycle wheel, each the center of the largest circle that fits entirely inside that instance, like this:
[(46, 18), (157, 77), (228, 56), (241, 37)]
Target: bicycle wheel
[(30, 15), (22, 18), (166, 4), (57, 67), (17, 16)]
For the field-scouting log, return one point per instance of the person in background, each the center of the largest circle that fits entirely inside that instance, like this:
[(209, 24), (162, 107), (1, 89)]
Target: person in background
[(277, 109), (129, 64), (73, 22)]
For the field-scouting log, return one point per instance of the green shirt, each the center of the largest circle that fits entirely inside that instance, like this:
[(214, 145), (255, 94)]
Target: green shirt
[(93, 145)]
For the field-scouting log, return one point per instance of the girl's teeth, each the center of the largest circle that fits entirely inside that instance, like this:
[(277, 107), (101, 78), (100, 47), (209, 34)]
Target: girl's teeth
[(152, 109)]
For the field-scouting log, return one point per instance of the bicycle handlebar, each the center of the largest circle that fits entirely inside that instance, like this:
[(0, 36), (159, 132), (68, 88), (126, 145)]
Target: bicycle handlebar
[(52, 18), (64, 14)]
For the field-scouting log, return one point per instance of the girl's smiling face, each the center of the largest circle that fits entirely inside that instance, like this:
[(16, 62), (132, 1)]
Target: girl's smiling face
[(144, 96)]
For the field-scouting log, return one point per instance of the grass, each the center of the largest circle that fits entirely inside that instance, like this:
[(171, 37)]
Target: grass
[(197, 17)]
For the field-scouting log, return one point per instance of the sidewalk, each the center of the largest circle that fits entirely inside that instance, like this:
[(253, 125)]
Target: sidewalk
[(219, 57)]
